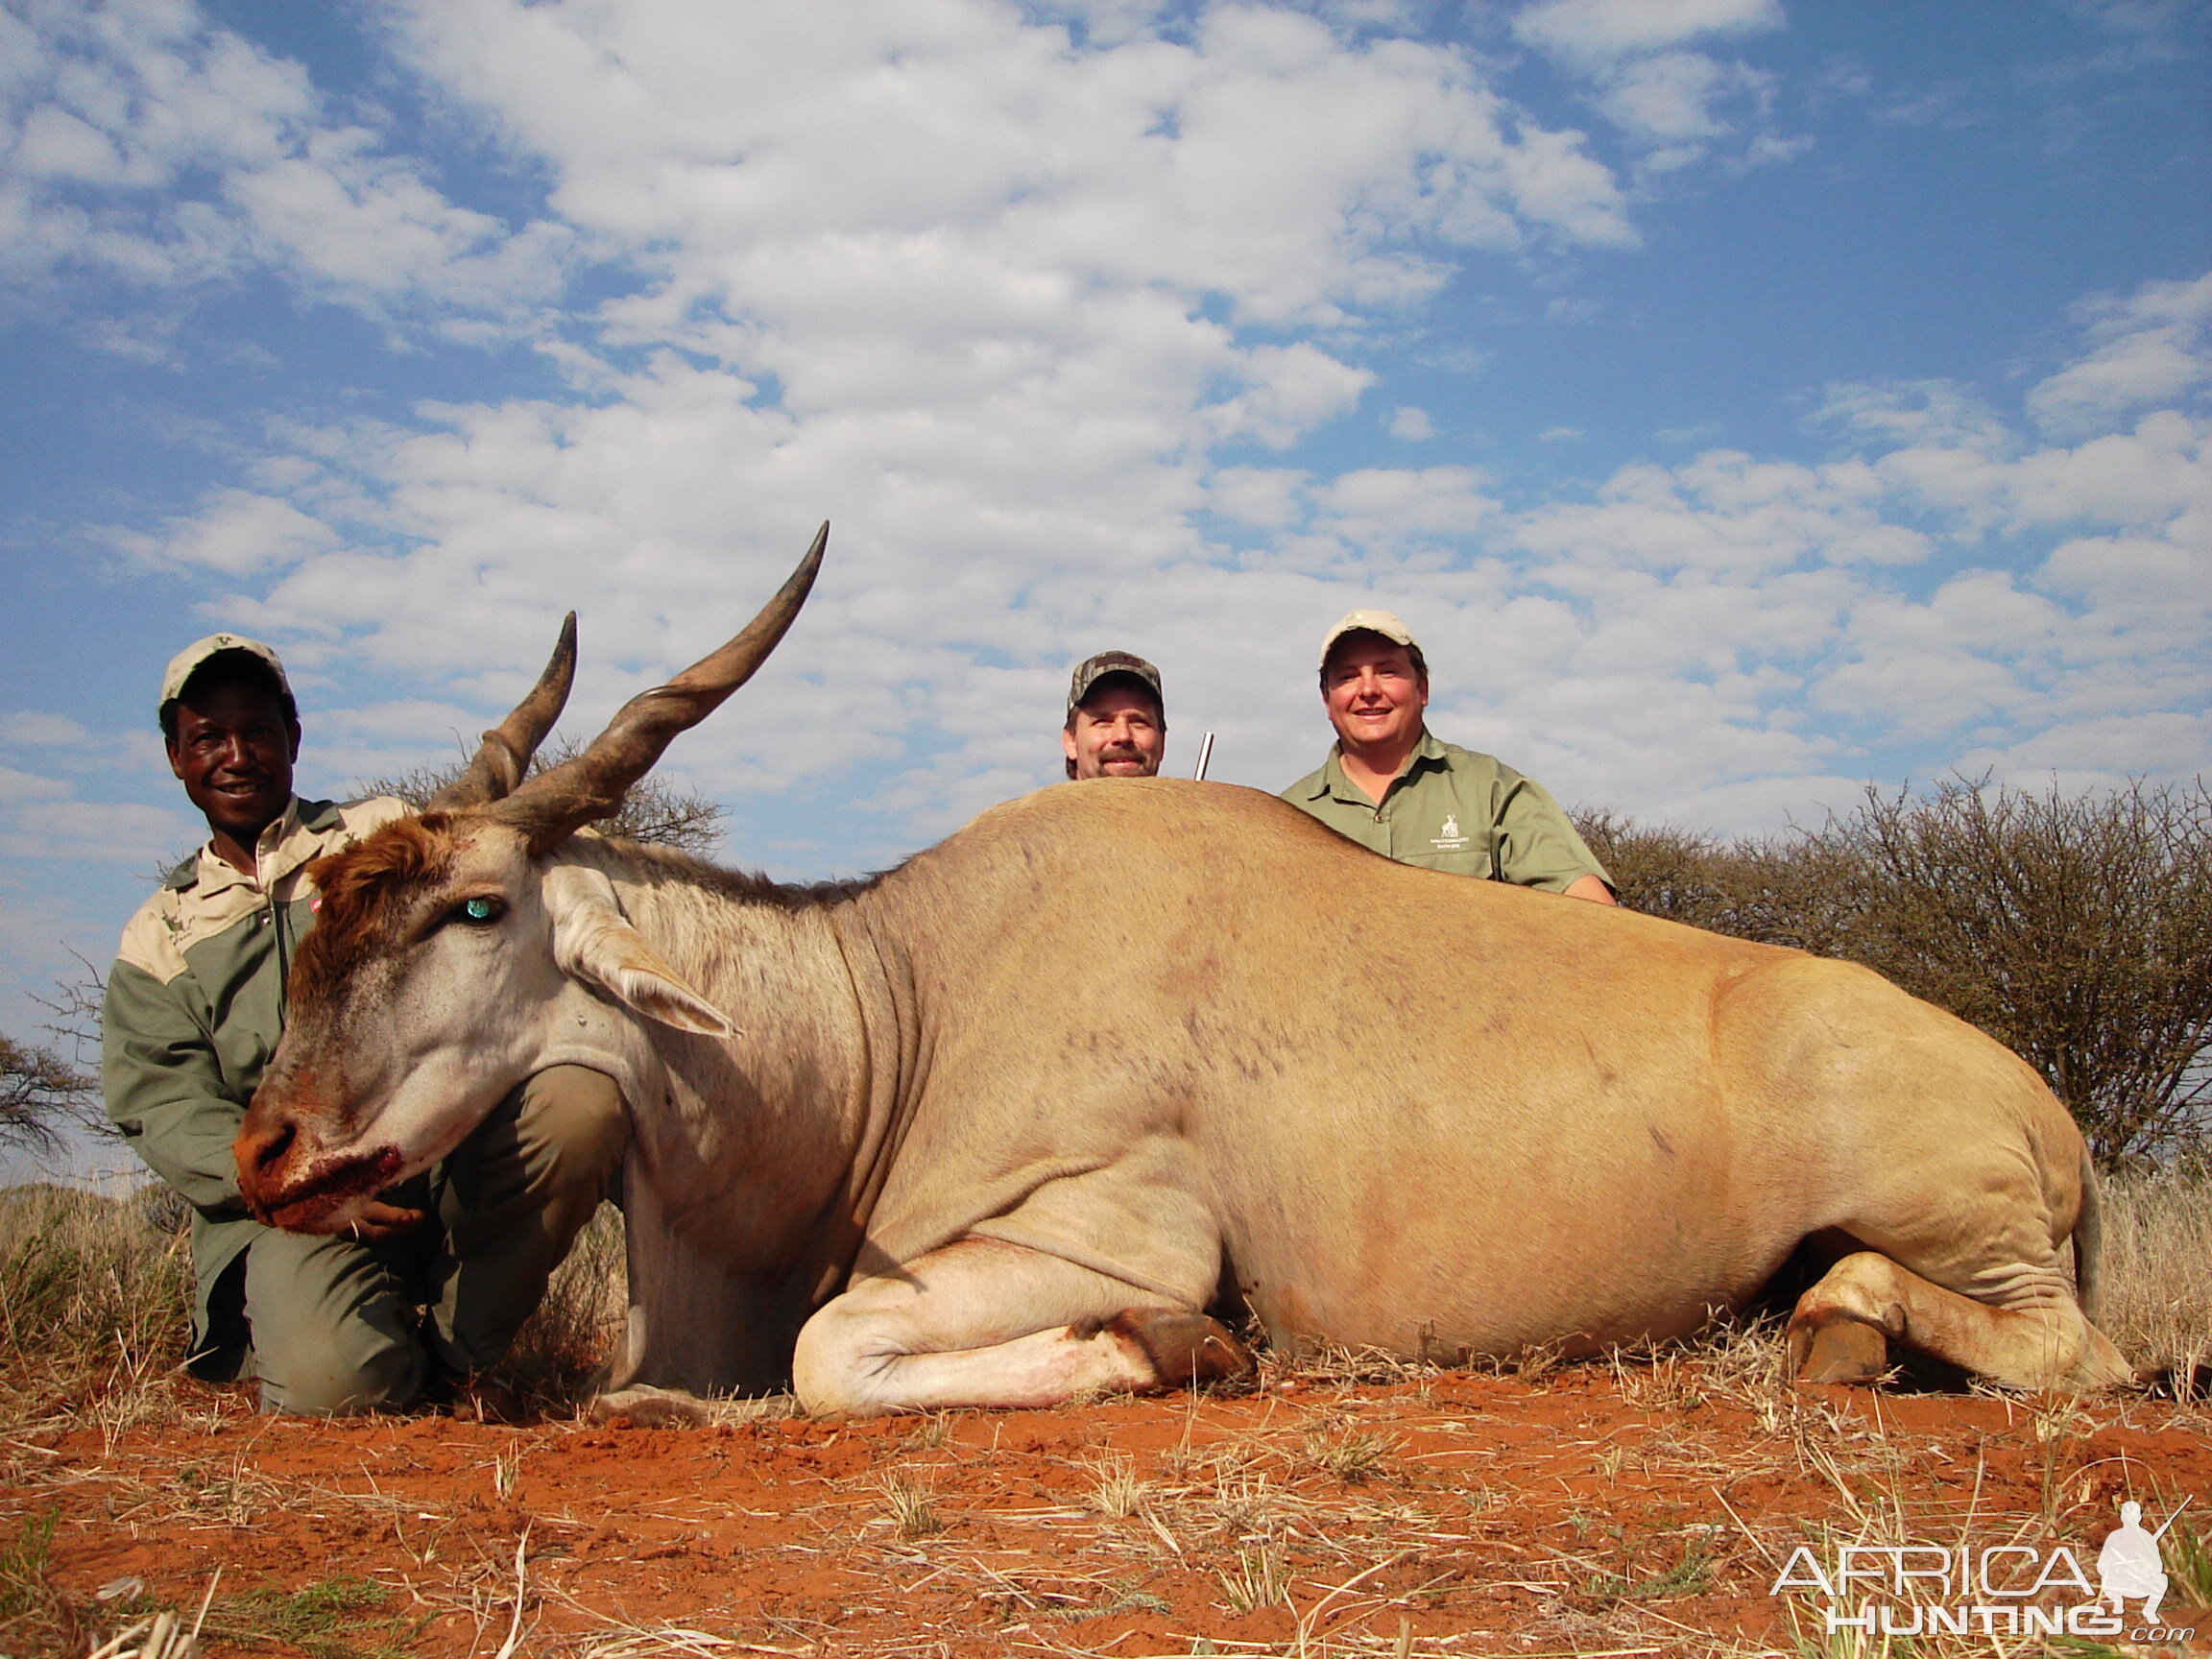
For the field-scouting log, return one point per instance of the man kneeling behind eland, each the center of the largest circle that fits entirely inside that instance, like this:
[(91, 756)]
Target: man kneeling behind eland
[(193, 1008), (877, 1149)]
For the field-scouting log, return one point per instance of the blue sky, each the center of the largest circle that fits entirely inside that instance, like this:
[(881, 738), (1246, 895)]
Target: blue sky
[(1744, 399)]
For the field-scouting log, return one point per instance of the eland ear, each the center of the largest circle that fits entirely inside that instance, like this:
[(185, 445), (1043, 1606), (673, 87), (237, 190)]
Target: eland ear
[(592, 942)]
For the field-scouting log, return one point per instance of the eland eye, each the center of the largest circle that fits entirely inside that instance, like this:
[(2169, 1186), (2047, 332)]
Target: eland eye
[(479, 912)]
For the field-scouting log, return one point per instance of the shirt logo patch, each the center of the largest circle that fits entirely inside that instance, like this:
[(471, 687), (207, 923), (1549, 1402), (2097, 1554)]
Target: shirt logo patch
[(1450, 840)]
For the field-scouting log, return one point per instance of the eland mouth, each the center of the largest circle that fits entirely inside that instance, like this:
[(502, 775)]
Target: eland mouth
[(315, 1201)]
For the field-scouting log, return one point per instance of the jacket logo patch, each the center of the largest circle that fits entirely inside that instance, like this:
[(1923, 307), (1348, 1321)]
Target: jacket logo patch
[(1450, 840)]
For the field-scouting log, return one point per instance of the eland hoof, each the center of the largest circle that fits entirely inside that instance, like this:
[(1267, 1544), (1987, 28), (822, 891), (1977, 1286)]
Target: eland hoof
[(1184, 1348), (1844, 1351), (651, 1408)]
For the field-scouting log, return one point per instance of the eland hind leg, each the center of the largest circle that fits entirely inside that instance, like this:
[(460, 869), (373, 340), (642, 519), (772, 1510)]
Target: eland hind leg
[(1939, 1155), (2028, 1333)]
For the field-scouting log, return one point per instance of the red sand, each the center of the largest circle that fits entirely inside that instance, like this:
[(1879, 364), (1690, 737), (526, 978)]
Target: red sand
[(1584, 1513)]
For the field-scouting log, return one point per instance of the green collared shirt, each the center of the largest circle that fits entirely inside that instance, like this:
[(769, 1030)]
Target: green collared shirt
[(1455, 811)]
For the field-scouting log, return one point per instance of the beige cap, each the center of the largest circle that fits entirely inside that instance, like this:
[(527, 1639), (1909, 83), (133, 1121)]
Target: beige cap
[(1104, 667), (181, 665), (1380, 622)]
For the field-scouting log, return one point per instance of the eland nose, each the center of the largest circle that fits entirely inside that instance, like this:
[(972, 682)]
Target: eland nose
[(263, 1141)]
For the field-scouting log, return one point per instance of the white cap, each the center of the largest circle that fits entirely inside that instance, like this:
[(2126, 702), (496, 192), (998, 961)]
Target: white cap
[(1380, 622), (181, 665)]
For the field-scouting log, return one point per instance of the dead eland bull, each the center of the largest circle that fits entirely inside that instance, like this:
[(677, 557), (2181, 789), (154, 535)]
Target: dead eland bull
[(999, 1127)]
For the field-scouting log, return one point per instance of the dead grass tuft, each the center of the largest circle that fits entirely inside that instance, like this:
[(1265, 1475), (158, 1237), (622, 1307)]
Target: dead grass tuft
[(2187, 1553), (1350, 1453), (930, 1434), (2157, 1277), (95, 1287), (561, 1354), (32, 1612), (92, 1300), (1257, 1580), (1326, 1366), (1117, 1492), (911, 1505)]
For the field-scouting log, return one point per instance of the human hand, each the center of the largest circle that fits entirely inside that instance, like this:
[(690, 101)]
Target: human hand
[(379, 1221)]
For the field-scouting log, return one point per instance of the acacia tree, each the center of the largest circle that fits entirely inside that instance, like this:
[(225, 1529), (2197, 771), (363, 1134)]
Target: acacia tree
[(1660, 870), (42, 1098), (1793, 889)]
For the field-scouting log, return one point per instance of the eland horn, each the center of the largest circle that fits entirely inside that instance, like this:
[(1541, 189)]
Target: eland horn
[(562, 798), (503, 758)]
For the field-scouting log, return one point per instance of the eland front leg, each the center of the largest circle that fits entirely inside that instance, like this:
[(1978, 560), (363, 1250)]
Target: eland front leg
[(986, 1323)]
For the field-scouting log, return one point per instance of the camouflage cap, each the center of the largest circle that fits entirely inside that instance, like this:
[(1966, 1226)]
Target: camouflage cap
[(183, 665), (1104, 667), (1380, 622)]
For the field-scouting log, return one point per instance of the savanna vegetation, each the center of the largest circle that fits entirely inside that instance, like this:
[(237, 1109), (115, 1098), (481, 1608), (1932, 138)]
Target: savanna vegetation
[(655, 811)]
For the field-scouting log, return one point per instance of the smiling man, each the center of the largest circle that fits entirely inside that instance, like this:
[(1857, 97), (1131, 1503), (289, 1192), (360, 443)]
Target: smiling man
[(430, 1287), (1395, 789), (1116, 718)]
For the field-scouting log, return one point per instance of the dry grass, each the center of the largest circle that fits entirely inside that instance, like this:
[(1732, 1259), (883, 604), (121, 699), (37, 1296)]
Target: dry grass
[(2157, 1300), (93, 1292), (1350, 1453), (932, 1538), (1117, 1490), (910, 1504), (1257, 1580), (95, 1289)]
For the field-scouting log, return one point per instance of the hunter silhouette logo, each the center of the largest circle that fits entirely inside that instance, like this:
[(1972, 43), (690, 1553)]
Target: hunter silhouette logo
[(2129, 1567)]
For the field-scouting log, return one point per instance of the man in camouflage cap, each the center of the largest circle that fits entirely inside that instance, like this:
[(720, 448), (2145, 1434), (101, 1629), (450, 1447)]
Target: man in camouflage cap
[(1116, 718), (1395, 789)]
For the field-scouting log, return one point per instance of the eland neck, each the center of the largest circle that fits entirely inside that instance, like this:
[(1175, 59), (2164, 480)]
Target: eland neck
[(761, 1145)]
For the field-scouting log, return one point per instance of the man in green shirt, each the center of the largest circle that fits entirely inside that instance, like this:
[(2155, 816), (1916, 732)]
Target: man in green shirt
[(1394, 787), (428, 1287)]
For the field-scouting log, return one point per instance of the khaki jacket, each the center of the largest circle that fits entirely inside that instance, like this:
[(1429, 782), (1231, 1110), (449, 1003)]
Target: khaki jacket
[(1455, 811), (195, 1006)]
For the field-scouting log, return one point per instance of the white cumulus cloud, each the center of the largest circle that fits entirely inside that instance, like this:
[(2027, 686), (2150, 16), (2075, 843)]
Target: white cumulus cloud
[(1600, 31), (142, 143), (2150, 346), (1673, 102), (1411, 424), (1044, 316)]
